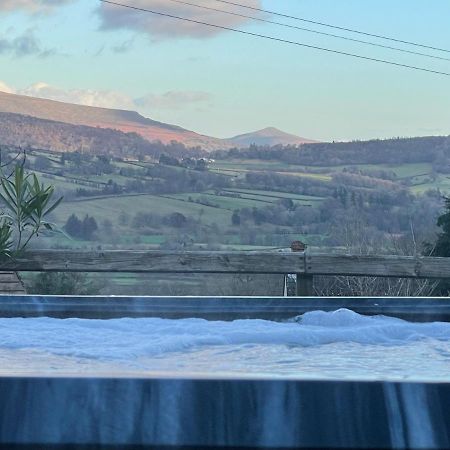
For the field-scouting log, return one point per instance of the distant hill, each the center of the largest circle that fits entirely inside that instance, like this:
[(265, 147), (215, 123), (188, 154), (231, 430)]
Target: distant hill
[(132, 121), (18, 130), (269, 136), (126, 121)]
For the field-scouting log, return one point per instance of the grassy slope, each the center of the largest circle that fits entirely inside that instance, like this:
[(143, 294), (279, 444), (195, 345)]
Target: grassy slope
[(111, 207), (417, 173)]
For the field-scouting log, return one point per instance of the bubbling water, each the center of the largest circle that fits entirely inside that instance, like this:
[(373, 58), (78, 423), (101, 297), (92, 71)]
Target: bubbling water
[(318, 344)]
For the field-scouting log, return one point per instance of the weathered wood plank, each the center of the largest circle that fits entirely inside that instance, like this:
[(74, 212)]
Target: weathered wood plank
[(229, 262), (10, 284), (8, 277), (380, 266), (11, 288), (157, 262)]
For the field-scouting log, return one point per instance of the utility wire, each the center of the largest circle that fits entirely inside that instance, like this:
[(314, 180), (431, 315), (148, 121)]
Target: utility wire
[(309, 30), (379, 36), (272, 38)]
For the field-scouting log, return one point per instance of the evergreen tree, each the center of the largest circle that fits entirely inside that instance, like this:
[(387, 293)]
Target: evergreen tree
[(176, 220), (89, 227), (442, 245), (73, 226), (236, 218)]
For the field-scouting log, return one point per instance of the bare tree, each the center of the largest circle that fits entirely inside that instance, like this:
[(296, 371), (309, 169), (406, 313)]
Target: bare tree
[(359, 238)]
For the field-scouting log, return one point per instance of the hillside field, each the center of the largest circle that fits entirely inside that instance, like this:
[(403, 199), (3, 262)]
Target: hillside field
[(235, 203)]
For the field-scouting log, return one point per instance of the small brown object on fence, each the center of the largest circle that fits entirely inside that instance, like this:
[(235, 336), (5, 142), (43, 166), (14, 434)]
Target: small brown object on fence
[(298, 246)]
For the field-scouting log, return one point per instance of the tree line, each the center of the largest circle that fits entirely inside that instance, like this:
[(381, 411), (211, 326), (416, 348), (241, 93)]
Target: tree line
[(432, 149)]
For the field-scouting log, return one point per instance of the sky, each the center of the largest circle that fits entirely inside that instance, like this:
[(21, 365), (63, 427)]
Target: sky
[(221, 83)]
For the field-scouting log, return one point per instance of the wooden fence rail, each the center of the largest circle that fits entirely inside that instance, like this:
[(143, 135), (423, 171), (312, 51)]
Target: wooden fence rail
[(303, 263)]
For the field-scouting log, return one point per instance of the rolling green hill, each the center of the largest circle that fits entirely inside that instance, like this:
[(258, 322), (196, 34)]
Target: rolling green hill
[(256, 198)]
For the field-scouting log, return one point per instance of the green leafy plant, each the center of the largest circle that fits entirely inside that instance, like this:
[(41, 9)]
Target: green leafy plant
[(27, 203), (64, 283), (5, 239)]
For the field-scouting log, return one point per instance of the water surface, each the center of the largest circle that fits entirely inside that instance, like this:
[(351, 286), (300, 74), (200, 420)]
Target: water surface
[(317, 345)]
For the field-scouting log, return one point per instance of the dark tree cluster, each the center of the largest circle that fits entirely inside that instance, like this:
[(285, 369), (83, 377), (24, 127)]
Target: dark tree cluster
[(82, 229), (146, 220)]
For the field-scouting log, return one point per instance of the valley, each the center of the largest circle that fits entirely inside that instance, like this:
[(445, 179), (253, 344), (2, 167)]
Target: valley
[(124, 188)]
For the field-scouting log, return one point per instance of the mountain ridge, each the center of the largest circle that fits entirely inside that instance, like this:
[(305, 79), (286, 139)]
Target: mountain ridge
[(131, 121)]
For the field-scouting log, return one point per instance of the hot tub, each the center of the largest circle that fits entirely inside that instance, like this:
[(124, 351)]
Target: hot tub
[(224, 372)]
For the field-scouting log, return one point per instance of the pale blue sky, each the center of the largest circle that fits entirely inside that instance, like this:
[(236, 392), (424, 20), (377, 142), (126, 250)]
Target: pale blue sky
[(226, 84)]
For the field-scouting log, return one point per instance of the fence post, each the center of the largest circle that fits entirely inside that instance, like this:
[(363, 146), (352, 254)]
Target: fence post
[(305, 282), (305, 285)]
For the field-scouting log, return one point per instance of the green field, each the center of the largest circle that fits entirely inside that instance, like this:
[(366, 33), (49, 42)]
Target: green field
[(212, 206), (239, 168), (222, 202), (276, 194), (110, 208), (400, 170), (442, 183), (239, 171)]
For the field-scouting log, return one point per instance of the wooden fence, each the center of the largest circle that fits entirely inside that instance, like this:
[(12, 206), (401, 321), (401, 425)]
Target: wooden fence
[(304, 264)]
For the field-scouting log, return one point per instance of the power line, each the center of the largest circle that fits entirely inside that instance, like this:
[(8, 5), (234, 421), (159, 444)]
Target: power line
[(272, 38), (309, 30), (323, 24)]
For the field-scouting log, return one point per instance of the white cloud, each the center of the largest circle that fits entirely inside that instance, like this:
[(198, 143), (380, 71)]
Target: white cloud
[(172, 99), (149, 103), (159, 27), (5, 88), (32, 6), (89, 97)]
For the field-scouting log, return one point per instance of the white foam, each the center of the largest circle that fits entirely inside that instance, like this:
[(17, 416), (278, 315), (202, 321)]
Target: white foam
[(129, 339)]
